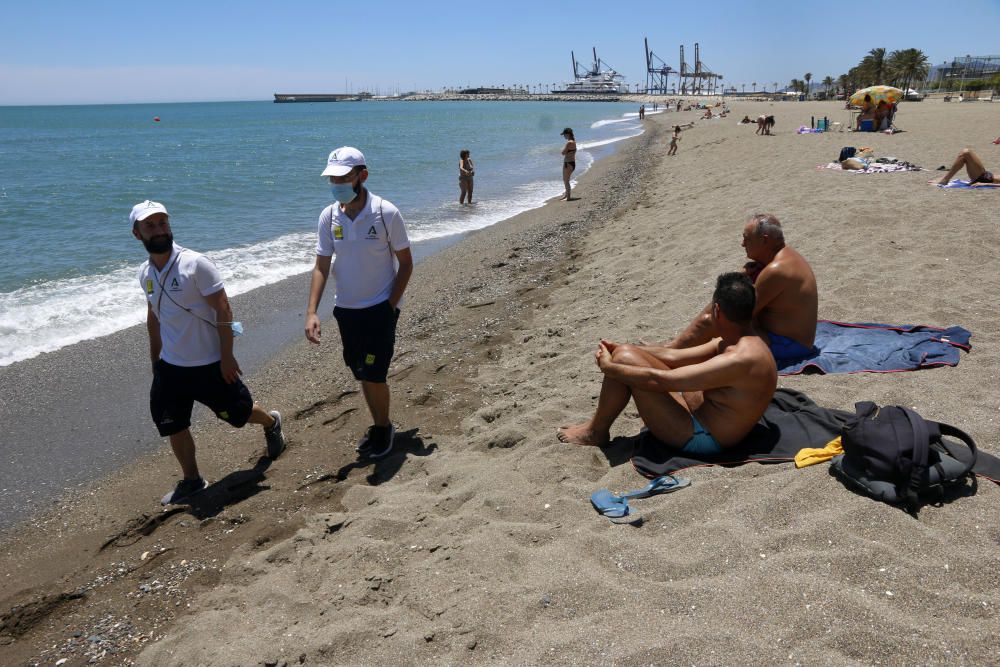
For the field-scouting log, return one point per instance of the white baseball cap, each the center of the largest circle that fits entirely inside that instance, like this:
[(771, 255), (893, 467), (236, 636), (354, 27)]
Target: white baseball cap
[(342, 161), (143, 210)]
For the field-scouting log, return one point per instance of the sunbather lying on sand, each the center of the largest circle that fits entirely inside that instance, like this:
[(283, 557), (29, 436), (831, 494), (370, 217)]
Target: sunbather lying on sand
[(699, 400), (787, 300), (978, 175)]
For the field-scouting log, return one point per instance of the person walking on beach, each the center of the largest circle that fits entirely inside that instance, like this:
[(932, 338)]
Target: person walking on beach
[(674, 139), (466, 172), (191, 328), (642, 112), (569, 160), (364, 238), (699, 400)]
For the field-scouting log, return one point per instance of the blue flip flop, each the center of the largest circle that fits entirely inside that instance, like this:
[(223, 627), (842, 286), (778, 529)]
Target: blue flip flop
[(614, 507), (664, 484)]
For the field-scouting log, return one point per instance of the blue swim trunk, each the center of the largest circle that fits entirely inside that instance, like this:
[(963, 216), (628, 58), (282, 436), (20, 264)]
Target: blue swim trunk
[(783, 347), (702, 442)]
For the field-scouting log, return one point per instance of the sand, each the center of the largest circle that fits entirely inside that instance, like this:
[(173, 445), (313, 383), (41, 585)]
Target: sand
[(476, 542)]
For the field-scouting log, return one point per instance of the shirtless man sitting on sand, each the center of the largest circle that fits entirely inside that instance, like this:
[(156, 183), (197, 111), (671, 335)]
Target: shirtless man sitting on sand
[(787, 300), (699, 400)]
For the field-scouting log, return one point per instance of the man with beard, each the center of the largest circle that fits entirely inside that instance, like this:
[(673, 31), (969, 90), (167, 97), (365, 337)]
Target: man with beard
[(191, 330)]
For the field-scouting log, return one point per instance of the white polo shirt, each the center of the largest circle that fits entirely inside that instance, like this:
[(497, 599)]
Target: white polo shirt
[(363, 250), (189, 336)]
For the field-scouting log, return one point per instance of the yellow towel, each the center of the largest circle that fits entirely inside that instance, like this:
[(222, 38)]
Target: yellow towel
[(811, 456)]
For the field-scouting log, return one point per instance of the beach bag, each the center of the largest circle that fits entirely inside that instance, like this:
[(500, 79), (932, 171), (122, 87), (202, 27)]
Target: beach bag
[(894, 455)]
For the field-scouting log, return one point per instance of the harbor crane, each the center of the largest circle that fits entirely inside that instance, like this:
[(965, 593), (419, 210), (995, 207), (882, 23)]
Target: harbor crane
[(657, 72)]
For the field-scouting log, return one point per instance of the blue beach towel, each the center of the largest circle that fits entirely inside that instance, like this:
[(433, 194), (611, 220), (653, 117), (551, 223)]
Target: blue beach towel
[(967, 184), (862, 347)]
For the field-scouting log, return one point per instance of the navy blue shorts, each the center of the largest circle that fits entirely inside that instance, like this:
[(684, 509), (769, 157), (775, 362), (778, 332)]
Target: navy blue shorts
[(369, 338), (176, 388)]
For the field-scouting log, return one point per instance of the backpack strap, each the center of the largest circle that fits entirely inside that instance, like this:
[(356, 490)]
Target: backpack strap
[(959, 434), (921, 445), (382, 218)]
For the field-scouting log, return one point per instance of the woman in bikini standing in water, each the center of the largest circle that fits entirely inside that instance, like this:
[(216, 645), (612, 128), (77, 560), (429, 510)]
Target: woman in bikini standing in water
[(466, 171), (569, 159)]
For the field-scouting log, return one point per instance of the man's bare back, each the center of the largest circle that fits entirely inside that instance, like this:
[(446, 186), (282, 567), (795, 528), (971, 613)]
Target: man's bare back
[(730, 412), (787, 299)]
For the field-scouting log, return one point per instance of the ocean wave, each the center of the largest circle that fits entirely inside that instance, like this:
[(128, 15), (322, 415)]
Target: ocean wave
[(605, 142), (629, 117), (46, 317)]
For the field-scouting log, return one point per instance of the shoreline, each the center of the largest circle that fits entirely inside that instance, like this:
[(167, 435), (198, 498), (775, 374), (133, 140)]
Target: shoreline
[(475, 542), (494, 274), (114, 362)]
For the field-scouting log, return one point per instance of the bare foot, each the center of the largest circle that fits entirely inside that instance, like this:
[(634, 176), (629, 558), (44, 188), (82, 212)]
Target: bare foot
[(583, 434)]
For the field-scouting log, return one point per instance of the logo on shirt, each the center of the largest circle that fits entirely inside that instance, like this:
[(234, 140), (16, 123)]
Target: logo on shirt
[(174, 285), (338, 233), (372, 234), (149, 285)]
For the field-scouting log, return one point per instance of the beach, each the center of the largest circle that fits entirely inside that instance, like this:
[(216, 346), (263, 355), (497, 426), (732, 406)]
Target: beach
[(475, 542)]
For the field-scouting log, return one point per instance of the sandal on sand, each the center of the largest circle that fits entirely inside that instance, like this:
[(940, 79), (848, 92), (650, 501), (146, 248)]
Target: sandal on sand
[(614, 507), (664, 484)]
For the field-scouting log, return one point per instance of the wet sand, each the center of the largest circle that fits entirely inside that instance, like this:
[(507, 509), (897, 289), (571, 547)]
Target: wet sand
[(475, 542)]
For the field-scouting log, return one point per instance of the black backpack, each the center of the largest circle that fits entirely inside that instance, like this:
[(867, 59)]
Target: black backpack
[(895, 455)]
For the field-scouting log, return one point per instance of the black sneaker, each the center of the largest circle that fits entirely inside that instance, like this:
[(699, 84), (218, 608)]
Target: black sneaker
[(275, 439), (184, 490), (377, 441)]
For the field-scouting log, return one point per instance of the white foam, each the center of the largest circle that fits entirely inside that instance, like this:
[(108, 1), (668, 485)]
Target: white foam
[(484, 213), (45, 317), (629, 117), (605, 142)]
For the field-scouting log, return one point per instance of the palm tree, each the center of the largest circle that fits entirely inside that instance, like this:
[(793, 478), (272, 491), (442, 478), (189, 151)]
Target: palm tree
[(874, 67), (795, 85), (808, 77), (909, 65), (755, 87), (827, 84)]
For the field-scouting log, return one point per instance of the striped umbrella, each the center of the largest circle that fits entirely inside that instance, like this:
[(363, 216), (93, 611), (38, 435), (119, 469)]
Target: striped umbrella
[(878, 93)]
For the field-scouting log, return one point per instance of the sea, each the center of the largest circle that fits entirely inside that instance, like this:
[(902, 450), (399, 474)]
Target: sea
[(242, 183)]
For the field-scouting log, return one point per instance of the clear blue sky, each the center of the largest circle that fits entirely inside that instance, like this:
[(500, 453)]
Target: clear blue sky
[(60, 52)]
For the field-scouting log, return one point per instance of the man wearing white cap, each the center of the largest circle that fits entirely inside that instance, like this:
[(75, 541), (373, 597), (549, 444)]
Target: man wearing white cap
[(364, 238), (190, 326)]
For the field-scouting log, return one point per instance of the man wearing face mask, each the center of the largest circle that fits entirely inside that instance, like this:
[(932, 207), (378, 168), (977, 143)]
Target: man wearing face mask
[(364, 238), (190, 326)]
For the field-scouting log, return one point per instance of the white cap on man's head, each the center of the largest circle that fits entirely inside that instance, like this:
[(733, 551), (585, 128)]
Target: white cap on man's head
[(342, 161), (143, 210)]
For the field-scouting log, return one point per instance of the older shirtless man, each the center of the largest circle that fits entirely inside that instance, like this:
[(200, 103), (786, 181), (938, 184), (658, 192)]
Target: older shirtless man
[(787, 301), (699, 400)]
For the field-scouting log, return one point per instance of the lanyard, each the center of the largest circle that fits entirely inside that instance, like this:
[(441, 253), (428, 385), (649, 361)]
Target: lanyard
[(163, 283)]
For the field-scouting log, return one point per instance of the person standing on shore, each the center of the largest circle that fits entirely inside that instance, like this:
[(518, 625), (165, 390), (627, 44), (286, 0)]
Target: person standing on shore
[(466, 172), (674, 139), (569, 160), (372, 266), (191, 328)]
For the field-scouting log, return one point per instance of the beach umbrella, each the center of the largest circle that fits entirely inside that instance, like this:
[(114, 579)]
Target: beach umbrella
[(877, 93)]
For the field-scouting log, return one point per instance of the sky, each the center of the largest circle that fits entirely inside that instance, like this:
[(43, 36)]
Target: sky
[(107, 52)]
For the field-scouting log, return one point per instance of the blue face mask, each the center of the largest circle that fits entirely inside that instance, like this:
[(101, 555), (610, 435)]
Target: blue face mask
[(343, 192)]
